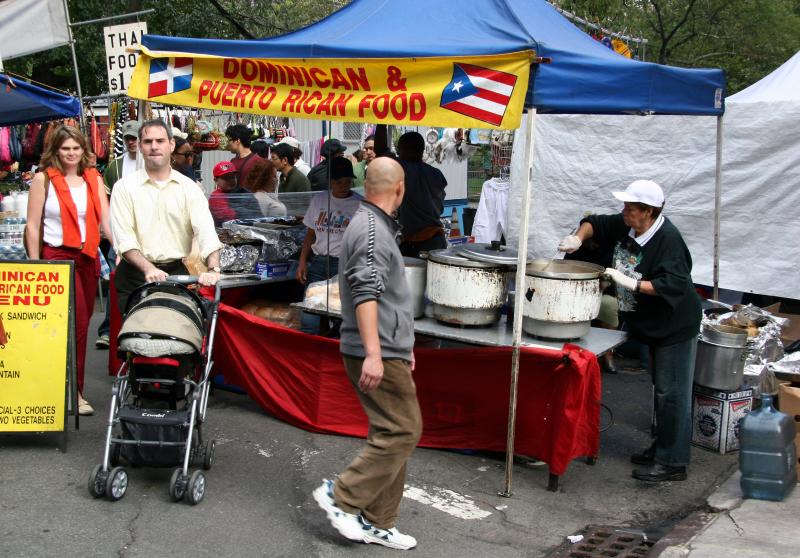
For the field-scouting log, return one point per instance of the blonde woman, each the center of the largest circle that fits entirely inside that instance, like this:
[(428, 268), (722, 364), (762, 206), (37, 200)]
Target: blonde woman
[(67, 207)]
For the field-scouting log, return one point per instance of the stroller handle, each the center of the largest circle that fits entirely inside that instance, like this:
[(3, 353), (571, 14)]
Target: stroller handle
[(189, 280), (184, 280)]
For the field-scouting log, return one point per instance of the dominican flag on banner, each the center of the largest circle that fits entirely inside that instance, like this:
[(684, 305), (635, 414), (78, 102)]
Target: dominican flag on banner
[(479, 93), (169, 75)]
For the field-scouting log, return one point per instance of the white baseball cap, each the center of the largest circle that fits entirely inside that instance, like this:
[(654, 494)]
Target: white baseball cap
[(290, 141), (642, 191)]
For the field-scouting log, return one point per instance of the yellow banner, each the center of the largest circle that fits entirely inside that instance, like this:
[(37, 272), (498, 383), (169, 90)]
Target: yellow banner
[(34, 320), (470, 92)]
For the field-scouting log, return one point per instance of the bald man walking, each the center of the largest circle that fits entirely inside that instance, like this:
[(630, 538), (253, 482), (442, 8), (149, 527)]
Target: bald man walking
[(377, 344)]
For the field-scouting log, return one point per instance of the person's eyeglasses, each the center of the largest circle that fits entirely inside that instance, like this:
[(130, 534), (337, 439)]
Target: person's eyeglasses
[(186, 154)]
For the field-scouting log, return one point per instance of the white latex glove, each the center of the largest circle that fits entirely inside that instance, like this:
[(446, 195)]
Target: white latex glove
[(621, 279), (569, 244)]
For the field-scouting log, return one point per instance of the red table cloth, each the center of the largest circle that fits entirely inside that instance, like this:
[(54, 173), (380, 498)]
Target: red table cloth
[(463, 393)]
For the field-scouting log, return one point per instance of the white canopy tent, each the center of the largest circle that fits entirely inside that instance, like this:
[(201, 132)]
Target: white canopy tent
[(583, 158)]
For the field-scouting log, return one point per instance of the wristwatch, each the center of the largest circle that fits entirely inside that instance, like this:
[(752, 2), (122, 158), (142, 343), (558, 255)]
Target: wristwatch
[(215, 269)]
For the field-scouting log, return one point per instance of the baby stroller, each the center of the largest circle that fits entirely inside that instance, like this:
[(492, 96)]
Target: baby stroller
[(160, 394)]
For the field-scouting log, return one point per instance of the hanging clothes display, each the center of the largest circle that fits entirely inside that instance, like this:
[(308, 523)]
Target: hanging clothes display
[(490, 219)]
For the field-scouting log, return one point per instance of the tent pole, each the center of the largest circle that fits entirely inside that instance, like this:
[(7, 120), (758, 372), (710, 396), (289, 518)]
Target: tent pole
[(75, 66), (717, 205), (522, 257)]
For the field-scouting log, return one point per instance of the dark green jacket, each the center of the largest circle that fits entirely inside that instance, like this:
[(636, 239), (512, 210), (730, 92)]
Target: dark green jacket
[(672, 316), (113, 173), (294, 181)]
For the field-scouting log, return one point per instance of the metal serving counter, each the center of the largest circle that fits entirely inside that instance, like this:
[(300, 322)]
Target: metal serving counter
[(598, 340)]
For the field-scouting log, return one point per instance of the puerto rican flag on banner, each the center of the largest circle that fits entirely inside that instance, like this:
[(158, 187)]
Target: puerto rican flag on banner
[(169, 75), (479, 93)]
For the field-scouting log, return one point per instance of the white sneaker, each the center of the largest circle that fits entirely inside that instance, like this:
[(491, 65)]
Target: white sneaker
[(347, 524), (387, 537), (84, 409)]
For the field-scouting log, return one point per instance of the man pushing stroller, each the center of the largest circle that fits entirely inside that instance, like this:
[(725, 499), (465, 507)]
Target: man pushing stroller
[(155, 213)]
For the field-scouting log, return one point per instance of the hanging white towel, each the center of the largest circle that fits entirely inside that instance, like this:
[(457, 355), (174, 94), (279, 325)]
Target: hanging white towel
[(490, 219)]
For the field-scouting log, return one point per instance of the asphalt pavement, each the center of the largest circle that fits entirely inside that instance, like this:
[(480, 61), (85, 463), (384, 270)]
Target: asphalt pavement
[(258, 500)]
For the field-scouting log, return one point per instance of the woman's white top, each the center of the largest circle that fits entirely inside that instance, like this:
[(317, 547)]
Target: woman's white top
[(53, 232)]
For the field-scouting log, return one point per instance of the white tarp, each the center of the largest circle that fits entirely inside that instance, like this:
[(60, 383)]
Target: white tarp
[(580, 159), (782, 85), (28, 26)]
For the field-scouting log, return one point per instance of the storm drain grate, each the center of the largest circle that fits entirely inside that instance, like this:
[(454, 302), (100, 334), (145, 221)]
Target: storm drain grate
[(604, 542)]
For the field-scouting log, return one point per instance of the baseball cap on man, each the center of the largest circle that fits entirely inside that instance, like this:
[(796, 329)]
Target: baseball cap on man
[(130, 129), (642, 191), (331, 147), (223, 168), (291, 142), (341, 167)]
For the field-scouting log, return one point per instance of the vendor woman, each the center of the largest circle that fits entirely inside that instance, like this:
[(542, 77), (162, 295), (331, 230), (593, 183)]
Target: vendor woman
[(327, 217), (651, 268)]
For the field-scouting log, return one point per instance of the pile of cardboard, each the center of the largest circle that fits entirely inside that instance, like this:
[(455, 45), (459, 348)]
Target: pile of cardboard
[(789, 403)]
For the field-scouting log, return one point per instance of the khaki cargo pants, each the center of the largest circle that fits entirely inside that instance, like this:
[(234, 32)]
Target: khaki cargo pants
[(373, 483)]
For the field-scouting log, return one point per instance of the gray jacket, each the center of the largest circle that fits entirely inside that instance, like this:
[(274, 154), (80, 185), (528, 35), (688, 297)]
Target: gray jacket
[(371, 268)]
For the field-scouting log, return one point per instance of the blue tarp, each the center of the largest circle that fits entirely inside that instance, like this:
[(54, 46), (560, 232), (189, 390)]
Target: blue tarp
[(583, 77), (21, 102)]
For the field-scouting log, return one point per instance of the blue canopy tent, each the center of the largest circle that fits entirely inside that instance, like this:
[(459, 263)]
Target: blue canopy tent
[(572, 74), (583, 76), (22, 102)]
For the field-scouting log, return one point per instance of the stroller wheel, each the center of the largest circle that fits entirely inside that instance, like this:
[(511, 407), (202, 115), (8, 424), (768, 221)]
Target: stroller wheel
[(177, 485), (197, 488), (208, 455), (117, 483), (97, 481)]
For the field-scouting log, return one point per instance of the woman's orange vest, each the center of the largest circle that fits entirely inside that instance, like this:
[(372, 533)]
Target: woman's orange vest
[(71, 230)]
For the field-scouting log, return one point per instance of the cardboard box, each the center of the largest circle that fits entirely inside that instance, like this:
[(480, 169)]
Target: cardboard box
[(272, 270), (716, 417), (791, 331), (790, 404)]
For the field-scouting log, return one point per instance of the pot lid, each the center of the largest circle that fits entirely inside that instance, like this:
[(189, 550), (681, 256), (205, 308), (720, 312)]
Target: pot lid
[(564, 269), (450, 256), (490, 253)]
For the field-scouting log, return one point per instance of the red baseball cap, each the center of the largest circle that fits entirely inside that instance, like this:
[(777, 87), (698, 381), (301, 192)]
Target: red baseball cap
[(224, 167)]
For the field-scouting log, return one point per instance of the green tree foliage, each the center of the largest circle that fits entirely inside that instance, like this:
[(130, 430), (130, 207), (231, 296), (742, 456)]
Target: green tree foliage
[(218, 19), (746, 38)]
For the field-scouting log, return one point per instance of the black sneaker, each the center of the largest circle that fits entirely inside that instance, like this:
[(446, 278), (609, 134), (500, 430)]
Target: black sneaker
[(102, 342)]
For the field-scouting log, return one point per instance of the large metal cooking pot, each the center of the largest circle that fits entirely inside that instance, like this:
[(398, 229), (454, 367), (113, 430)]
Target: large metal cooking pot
[(463, 291), (562, 297), (720, 357), (416, 269)]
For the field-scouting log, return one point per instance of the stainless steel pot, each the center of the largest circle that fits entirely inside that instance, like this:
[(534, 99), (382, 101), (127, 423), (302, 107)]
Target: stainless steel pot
[(463, 291), (416, 272), (562, 297), (720, 357)]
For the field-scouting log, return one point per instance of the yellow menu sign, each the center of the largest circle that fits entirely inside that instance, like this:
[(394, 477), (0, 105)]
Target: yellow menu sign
[(34, 329)]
